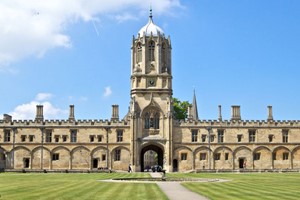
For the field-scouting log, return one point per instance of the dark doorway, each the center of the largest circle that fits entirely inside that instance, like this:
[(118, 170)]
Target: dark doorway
[(241, 163), (95, 163), (157, 150), (175, 165), (26, 162)]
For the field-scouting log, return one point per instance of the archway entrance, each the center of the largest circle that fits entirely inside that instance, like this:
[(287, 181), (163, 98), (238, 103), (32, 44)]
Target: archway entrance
[(157, 153), (95, 163)]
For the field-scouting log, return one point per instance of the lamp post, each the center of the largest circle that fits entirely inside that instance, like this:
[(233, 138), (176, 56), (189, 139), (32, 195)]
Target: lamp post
[(209, 155)]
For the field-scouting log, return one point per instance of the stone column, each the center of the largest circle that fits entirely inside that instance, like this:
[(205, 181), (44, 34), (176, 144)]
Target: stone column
[(220, 113)]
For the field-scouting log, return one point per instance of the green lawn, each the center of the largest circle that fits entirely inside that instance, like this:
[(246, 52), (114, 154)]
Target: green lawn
[(247, 186), (15, 186), (31, 186)]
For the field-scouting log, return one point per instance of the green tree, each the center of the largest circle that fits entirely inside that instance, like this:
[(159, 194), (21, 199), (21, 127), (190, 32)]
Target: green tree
[(180, 108)]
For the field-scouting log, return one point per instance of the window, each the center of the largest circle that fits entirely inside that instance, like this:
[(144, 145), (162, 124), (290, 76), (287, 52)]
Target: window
[(48, 135), (274, 156), (271, 138), (285, 136), (256, 156), (202, 156), (23, 138), (55, 156), (31, 138), (194, 135), (203, 137), (220, 136), (117, 154), (92, 138), (226, 156), (56, 138), (285, 156), (183, 156), (217, 156), (252, 135), (7, 136), (99, 138), (103, 157), (119, 135), (151, 51), (73, 136), (139, 53), (64, 138), (239, 137)]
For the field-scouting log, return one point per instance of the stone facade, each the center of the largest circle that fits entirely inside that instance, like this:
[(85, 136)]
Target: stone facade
[(185, 145)]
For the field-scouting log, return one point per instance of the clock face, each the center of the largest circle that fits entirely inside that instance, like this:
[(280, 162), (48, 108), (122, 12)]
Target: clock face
[(152, 82)]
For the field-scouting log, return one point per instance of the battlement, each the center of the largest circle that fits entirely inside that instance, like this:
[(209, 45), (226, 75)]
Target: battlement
[(239, 123)]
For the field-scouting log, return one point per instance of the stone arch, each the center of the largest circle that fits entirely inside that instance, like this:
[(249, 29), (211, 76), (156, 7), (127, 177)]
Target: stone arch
[(262, 158), (222, 158), (120, 158), (2, 158), (156, 147), (64, 157), (21, 157), (242, 157), (41, 158), (80, 158), (185, 158), (99, 157), (281, 157), (296, 157), (201, 157)]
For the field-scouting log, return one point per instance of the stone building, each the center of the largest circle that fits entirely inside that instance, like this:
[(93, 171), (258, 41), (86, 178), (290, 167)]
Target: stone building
[(185, 145)]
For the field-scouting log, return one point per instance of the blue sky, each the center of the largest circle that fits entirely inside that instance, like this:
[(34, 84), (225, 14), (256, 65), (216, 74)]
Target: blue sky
[(234, 52)]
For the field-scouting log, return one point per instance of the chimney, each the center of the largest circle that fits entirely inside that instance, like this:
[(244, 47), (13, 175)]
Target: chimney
[(71, 115), (270, 113), (39, 113), (220, 113), (7, 118), (115, 112), (235, 113)]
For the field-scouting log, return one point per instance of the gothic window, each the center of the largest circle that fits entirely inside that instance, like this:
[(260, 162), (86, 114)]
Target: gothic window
[(285, 136), (285, 156), (73, 136), (220, 136), (151, 120), (7, 136), (151, 50), (48, 136), (163, 55), (183, 156), (138, 52), (55, 156), (194, 135), (117, 154), (119, 135), (251, 135)]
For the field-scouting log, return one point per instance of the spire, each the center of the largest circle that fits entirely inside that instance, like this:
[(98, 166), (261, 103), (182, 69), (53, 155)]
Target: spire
[(194, 110)]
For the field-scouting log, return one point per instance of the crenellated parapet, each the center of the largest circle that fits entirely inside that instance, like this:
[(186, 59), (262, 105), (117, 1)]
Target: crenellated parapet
[(239, 123)]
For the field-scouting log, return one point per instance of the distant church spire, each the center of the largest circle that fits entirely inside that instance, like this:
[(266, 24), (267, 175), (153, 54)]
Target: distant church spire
[(194, 110)]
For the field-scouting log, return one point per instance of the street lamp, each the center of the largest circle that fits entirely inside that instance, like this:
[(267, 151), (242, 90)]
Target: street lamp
[(209, 154)]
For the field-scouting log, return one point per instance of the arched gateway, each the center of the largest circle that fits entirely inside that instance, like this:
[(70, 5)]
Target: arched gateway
[(159, 152)]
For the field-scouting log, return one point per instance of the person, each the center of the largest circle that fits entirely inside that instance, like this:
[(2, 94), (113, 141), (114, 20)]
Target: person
[(129, 168)]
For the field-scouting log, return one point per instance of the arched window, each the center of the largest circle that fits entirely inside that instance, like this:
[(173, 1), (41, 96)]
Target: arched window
[(163, 54), (147, 121), (151, 51), (156, 121), (138, 52)]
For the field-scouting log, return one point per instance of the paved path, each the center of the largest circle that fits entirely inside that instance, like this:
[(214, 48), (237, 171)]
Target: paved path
[(175, 191)]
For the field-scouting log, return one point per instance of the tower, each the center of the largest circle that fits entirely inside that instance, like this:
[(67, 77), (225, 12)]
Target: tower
[(151, 94)]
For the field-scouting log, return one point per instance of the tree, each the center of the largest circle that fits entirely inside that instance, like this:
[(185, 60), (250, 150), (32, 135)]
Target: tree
[(180, 108)]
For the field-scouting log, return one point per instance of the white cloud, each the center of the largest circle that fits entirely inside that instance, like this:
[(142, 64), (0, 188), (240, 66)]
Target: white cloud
[(31, 27), (28, 110), (107, 91), (43, 96)]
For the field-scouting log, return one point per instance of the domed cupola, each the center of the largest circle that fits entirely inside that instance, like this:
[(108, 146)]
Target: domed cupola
[(150, 27)]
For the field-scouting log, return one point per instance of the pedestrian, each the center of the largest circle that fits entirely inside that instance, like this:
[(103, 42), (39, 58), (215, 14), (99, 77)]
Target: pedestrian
[(129, 168)]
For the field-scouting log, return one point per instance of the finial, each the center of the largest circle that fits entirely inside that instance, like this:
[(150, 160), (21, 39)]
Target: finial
[(150, 11)]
